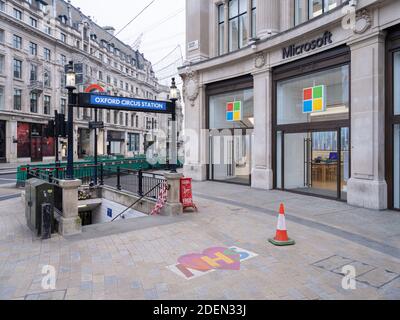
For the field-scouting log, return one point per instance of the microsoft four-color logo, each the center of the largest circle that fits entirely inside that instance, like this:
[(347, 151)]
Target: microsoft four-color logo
[(234, 111), (314, 99)]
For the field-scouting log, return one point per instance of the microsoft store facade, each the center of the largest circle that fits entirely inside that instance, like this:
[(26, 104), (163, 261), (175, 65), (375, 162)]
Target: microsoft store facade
[(313, 109)]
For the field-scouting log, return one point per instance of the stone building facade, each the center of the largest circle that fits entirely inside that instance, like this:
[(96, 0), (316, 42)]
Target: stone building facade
[(37, 39), (295, 95)]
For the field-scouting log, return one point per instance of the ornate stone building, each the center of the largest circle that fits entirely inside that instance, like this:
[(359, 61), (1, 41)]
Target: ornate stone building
[(296, 95), (37, 39)]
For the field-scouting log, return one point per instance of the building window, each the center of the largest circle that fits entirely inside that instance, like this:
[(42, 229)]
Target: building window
[(108, 116), (1, 36), (47, 78), (238, 33), (63, 60), (17, 14), (221, 29), (46, 105), (17, 99), (34, 102), (121, 119), (134, 142), (331, 88), (308, 9), (63, 37), (63, 106), (2, 6), (33, 48), (1, 98), (47, 54), (47, 30), (2, 61), (253, 18), (115, 117), (17, 69), (33, 73), (34, 22), (17, 42)]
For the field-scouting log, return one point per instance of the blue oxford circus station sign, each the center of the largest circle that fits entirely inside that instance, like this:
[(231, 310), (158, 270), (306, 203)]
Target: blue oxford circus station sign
[(100, 101)]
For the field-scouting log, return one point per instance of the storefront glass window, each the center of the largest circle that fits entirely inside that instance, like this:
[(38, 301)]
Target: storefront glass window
[(24, 142), (396, 83), (231, 119), (220, 104), (321, 96), (396, 173), (134, 139)]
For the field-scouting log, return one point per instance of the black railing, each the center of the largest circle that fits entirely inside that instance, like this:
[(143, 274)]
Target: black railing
[(137, 182)]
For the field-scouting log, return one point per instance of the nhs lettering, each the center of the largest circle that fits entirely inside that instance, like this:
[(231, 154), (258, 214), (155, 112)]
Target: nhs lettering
[(194, 265)]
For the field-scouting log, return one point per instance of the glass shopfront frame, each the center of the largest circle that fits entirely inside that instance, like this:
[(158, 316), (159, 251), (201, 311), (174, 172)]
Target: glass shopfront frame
[(311, 153), (230, 121), (393, 118)]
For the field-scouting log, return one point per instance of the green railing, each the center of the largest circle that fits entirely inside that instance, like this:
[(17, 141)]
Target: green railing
[(84, 169)]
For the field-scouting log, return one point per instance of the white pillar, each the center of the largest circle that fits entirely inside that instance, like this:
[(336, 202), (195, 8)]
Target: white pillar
[(262, 174), (367, 186), (267, 18), (196, 141)]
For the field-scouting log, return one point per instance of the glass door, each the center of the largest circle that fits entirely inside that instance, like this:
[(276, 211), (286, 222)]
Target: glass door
[(36, 149), (230, 156), (312, 163)]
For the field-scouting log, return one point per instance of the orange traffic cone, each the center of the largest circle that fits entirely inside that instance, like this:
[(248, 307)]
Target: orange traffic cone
[(281, 239)]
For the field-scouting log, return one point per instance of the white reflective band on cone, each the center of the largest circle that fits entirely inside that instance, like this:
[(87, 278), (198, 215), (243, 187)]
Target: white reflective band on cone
[(281, 222)]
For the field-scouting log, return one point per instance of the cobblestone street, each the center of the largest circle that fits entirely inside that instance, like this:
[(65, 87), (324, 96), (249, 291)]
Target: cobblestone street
[(129, 259)]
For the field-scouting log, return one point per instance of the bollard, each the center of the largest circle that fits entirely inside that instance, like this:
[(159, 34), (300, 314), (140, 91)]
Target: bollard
[(119, 178), (140, 183), (101, 174)]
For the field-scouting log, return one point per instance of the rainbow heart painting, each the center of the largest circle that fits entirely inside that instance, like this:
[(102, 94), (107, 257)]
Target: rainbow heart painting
[(194, 265)]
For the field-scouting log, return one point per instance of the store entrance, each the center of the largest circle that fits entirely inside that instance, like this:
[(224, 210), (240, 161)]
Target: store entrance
[(230, 155), (321, 165)]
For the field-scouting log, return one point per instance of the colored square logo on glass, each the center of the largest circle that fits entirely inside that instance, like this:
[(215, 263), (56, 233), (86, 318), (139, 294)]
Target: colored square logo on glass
[(238, 106), (308, 94), (234, 111), (318, 92), (314, 99), (307, 106), (317, 105)]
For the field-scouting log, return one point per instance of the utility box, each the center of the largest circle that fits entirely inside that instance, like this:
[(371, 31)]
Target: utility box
[(38, 193)]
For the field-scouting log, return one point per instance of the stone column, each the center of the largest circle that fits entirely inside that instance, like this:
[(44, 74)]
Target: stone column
[(70, 222), (11, 147), (367, 187), (262, 174), (287, 14), (268, 15), (174, 206), (197, 29), (196, 155)]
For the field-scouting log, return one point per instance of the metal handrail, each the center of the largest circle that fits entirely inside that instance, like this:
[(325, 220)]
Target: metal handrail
[(137, 201)]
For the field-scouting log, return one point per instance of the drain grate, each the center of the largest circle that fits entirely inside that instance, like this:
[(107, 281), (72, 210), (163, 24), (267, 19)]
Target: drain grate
[(50, 295), (372, 276)]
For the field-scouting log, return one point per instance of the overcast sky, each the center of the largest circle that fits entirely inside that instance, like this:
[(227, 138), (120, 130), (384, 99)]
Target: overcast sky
[(162, 25)]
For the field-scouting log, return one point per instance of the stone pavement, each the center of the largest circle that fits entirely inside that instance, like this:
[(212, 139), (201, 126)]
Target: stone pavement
[(118, 262)]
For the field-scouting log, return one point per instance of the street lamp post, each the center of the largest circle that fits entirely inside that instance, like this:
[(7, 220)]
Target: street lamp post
[(174, 153), (70, 86)]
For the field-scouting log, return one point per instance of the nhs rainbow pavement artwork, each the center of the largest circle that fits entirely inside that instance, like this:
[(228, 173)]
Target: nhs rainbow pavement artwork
[(195, 265)]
